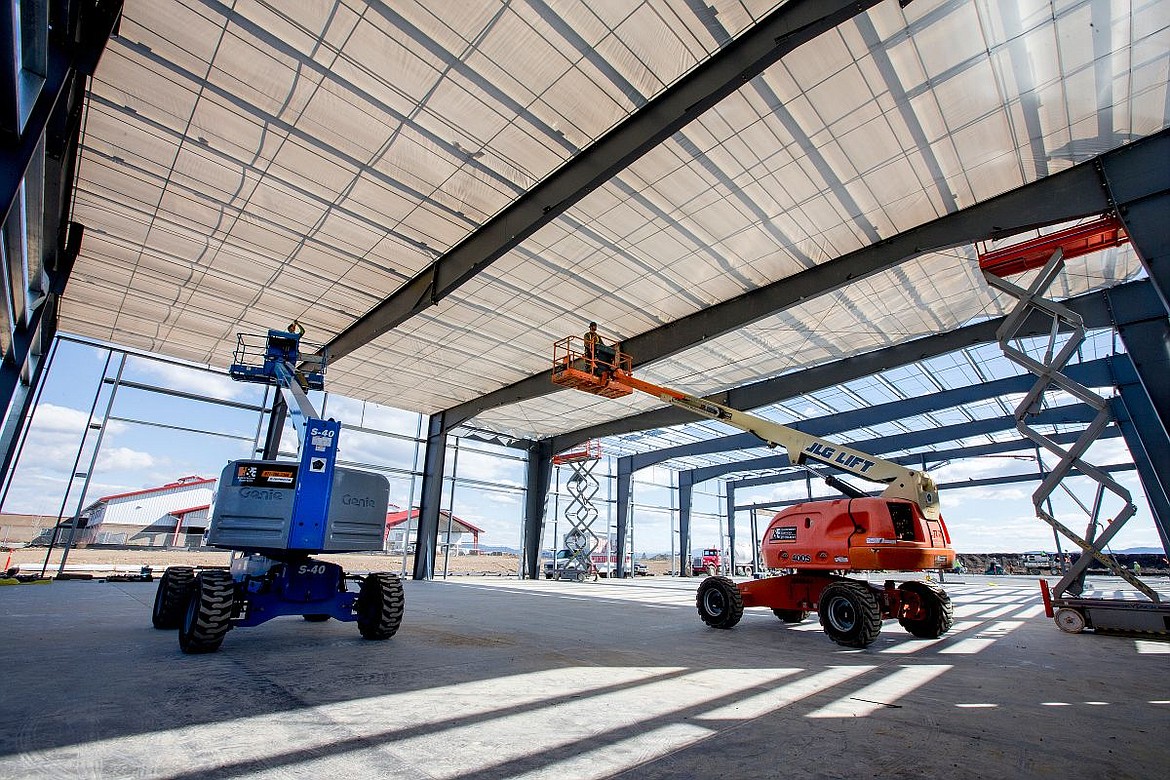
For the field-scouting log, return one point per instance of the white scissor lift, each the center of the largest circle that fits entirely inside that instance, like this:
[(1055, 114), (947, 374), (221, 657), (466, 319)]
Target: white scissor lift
[(581, 540), (1064, 602)]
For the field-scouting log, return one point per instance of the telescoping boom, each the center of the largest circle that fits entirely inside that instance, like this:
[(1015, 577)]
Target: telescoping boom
[(813, 544)]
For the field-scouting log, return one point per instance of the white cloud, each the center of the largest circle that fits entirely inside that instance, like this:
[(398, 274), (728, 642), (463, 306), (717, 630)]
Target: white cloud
[(52, 419), (983, 468), (124, 458), (488, 468), (192, 380)]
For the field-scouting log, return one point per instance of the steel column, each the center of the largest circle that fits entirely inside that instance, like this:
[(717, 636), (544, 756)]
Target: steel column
[(1148, 344), (1137, 184), (1148, 444), (72, 53), (624, 479), (16, 425), (97, 447), (730, 509), (434, 460), (276, 418), (539, 477), (685, 503)]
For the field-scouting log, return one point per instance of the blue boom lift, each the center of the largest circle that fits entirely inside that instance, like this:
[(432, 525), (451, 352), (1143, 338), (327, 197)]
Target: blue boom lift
[(277, 514)]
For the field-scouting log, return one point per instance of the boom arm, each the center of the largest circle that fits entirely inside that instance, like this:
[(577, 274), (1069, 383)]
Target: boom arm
[(900, 481), (610, 380), (300, 408)]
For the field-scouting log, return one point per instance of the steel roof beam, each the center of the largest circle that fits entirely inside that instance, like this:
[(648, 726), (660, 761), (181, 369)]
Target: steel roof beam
[(935, 456), (1008, 479), (1074, 414), (792, 24), (1095, 307), (1093, 373), (1074, 193)]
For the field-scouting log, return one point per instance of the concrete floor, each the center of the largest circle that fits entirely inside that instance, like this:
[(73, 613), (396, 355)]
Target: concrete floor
[(496, 678)]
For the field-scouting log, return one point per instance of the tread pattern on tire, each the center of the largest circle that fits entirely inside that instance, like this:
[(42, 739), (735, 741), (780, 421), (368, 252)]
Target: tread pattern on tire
[(868, 623), (732, 607), (380, 605), (209, 612), (170, 600), (940, 613)]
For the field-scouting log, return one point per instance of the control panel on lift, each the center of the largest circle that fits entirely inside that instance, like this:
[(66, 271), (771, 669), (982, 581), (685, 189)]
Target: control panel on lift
[(265, 505)]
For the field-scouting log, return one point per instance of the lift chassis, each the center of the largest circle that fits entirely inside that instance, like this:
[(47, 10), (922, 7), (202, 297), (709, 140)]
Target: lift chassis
[(816, 542), (276, 515)]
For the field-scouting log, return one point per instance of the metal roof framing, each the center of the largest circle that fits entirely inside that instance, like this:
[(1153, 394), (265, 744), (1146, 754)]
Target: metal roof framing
[(1077, 192), (1095, 307), (1074, 414), (935, 456), (792, 24), (1094, 373)]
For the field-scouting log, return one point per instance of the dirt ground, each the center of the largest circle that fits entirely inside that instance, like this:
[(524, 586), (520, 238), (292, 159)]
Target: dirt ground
[(103, 561)]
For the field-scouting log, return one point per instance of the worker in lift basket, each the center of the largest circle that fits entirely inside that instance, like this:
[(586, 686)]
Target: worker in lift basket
[(600, 356)]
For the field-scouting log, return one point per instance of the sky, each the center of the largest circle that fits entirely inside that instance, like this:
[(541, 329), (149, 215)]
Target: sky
[(190, 437)]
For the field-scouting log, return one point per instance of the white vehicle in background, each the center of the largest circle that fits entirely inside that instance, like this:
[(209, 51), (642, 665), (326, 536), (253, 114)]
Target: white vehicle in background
[(604, 564), (1037, 561)]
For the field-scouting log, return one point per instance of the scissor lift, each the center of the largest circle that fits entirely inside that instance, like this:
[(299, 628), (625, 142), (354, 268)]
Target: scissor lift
[(1064, 601), (276, 515), (580, 540)]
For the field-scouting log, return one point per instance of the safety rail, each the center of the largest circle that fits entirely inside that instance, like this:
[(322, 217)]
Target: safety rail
[(256, 357), (580, 367), (590, 450)]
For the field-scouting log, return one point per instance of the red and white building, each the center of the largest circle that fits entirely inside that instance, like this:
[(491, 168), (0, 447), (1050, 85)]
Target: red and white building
[(174, 514), (402, 531)]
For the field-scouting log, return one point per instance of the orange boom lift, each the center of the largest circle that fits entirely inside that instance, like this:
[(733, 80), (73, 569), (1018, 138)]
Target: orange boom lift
[(817, 543)]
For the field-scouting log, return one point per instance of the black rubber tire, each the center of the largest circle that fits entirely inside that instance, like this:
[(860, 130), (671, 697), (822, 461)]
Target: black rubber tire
[(316, 618), (170, 600), (380, 605), (791, 615), (850, 614), (719, 602), (209, 612), (940, 613)]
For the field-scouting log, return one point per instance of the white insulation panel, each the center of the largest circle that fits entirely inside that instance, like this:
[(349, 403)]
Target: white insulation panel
[(248, 164)]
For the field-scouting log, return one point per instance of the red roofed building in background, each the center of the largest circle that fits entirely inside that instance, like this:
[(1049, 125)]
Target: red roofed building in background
[(402, 530), (174, 514)]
